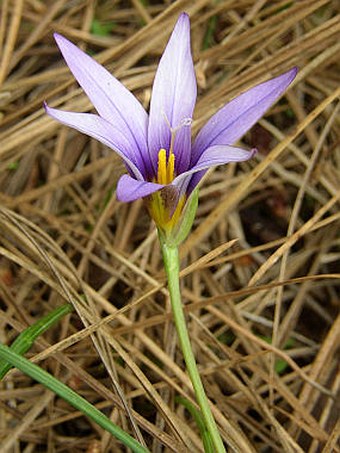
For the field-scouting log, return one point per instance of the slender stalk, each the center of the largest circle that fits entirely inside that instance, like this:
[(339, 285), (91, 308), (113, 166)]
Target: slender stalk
[(171, 264)]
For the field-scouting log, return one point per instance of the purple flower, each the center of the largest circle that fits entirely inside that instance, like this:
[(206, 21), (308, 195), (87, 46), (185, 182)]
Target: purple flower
[(162, 164)]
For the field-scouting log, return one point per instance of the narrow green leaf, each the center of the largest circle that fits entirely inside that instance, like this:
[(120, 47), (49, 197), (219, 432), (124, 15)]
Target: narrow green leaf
[(280, 364), (102, 29), (196, 414), (13, 165), (208, 40), (26, 338), (75, 400)]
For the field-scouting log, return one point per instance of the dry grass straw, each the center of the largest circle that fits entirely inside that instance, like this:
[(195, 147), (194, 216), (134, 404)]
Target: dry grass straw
[(259, 270)]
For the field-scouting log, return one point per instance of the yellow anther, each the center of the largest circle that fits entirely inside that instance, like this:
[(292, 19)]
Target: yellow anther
[(166, 169), (161, 173), (170, 171)]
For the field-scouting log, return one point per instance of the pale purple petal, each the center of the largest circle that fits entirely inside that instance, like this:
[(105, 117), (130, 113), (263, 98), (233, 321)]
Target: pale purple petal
[(217, 155), (129, 189), (111, 99), (102, 130), (173, 98), (211, 157), (234, 119)]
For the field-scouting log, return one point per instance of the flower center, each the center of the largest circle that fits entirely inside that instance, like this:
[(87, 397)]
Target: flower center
[(166, 167), (165, 206)]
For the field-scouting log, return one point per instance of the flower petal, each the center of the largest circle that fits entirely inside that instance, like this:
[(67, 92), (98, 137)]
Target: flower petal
[(211, 157), (173, 98), (239, 115), (111, 99), (100, 129), (129, 189)]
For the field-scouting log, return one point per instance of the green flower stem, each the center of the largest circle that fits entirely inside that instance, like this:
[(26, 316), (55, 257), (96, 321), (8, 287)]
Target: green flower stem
[(171, 264)]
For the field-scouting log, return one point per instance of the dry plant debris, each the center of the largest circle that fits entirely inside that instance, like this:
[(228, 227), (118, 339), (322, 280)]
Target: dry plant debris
[(262, 309)]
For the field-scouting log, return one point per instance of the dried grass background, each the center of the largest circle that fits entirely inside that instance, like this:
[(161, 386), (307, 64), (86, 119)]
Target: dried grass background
[(259, 274)]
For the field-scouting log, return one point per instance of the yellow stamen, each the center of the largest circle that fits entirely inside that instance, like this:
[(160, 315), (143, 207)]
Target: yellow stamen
[(161, 207), (166, 169), (170, 171), (161, 173)]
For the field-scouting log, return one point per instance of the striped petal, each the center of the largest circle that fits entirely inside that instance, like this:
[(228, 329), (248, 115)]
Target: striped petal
[(233, 120), (111, 99), (129, 189), (100, 129), (173, 98)]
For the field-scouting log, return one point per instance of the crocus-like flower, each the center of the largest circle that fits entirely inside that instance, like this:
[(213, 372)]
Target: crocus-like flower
[(163, 166)]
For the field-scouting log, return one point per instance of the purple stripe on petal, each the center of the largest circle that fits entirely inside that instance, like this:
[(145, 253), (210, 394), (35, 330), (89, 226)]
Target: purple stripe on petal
[(129, 189), (100, 129), (173, 98), (234, 119), (111, 99)]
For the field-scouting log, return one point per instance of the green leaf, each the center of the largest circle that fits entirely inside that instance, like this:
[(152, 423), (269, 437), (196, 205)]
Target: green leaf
[(102, 29), (208, 40), (75, 400), (196, 414), (26, 338), (226, 338), (13, 165), (280, 364)]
